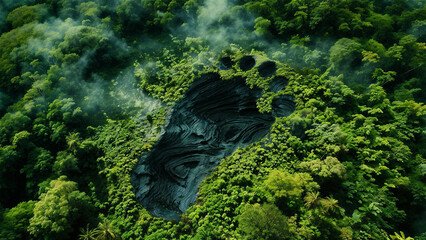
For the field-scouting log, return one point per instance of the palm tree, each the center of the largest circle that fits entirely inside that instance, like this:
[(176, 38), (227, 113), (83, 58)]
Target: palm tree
[(329, 204), (73, 140), (87, 234), (399, 236), (311, 199), (105, 231)]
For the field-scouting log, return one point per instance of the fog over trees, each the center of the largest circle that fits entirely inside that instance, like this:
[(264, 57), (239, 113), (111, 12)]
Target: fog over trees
[(212, 119)]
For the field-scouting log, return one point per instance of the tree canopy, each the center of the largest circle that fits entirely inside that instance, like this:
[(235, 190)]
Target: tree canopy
[(87, 88)]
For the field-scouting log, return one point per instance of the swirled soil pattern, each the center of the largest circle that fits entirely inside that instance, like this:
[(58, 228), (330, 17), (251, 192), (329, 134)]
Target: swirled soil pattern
[(213, 119)]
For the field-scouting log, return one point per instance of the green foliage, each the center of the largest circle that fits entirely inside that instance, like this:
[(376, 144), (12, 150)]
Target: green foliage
[(27, 14), (289, 186), (105, 231), (65, 163), (381, 25), (261, 25), (89, 10), (61, 207), (328, 17), (87, 234), (328, 168), (169, 77), (348, 163), (11, 123), (400, 236), (263, 222), (15, 221), (9, 42), (344, 52)]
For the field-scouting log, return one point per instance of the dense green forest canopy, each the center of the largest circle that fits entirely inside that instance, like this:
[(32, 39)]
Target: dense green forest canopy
[(87, 88)]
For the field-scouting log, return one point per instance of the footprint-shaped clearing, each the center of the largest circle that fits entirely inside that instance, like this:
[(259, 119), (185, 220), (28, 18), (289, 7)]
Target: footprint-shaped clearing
[(213, 119)]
